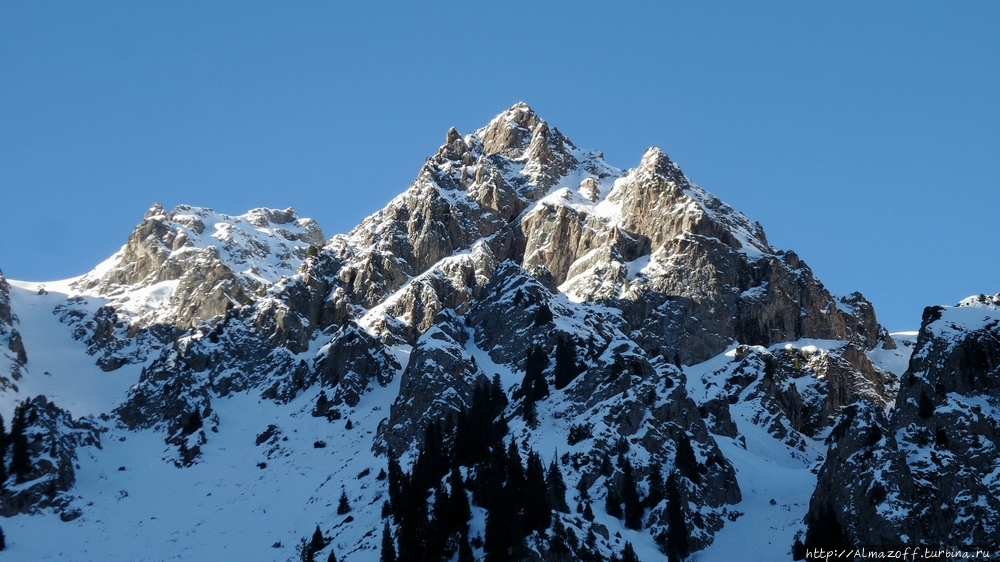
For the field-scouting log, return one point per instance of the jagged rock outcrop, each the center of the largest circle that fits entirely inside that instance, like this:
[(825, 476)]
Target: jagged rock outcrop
[(351, 361), (437, 384), (42, 448), (6, 315), (253, 346), (516, 312), (876, 506), (929, 471), (647, 408), (689, 272), (200, 263), (798, 391), (13, 356), (452, 284), (471, 190)]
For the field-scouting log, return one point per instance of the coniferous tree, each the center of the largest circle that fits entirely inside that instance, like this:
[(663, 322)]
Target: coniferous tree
[(465, 550), (343, 506), (606, 468), (630, 497), (686, 461), (613, 502), (388, 547), (591, 539), (497, 396), (3, 454), (499, 539), (556, 488), (432, 460), (305, 550), (318, 541), (332, 557), (825, 531), (461, 512), (462, 445), (515, 472), (475, 428), (490, 478), (798, 549), (439, 526), (3, 540), (534, 383), (537, 512), (566, 368), (628, 553), (543, 315), (678, 537), (20, 459), (322, 404), (193, 423), (504, 517), (413, 524), (529, 412), (396, 478), (657, 490)]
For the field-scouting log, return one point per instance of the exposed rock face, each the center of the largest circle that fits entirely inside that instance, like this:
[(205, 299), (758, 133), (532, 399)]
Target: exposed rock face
[(471, 190), (13, 356), (438, 381), (452, 284), (201, 262), (690, 273), (259, 346), (798, 391), (647, 407), (50, 437), (639, 271), (351, 361), (514, 313), (7, 317), (927, 474), (875, 506)]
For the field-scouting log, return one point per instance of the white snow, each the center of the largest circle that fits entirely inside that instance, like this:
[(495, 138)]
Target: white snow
[(896, 360), (58, 366)]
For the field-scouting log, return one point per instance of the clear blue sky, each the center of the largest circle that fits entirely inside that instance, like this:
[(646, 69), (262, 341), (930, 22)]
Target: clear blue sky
[(865, 136)]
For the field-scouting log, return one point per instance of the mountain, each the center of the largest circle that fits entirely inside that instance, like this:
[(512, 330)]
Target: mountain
[(529, 354)]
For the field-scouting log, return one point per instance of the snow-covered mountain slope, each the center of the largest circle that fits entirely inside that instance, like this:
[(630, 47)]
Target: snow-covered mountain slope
[(59, 366), (524, 321)]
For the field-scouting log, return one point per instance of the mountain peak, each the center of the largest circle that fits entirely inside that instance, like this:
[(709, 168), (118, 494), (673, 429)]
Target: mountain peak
[(155, 210), (205, 259), (510, 132), (657, 162)]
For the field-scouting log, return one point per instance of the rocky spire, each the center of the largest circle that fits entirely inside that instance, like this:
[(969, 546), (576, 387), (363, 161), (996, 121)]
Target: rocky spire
[(510, 132)]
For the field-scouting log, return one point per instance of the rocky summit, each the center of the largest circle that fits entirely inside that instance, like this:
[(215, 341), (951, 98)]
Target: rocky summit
[(528, 354)]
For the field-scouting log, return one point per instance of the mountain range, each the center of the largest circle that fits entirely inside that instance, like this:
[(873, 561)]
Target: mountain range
[(529, 354)]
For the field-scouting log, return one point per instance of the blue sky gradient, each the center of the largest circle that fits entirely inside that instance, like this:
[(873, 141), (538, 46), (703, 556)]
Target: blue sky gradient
[(865, 136)]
